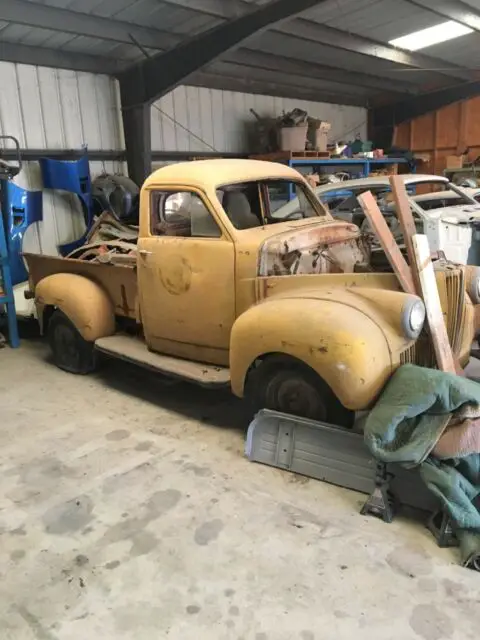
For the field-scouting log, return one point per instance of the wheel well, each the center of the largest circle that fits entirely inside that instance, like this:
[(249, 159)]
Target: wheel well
[(282, 358), (48, 312), (337, 412)]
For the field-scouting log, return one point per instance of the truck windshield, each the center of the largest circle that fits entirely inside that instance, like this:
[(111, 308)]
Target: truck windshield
[(254, 204)]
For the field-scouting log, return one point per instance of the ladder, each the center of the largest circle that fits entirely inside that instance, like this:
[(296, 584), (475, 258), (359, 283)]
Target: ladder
[(7, 300)]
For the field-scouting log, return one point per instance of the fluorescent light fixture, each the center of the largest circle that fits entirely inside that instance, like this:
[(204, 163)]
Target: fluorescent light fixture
[(433, 35)]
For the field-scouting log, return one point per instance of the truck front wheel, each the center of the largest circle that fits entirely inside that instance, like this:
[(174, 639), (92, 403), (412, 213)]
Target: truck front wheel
[(70, 351), (287, 385)]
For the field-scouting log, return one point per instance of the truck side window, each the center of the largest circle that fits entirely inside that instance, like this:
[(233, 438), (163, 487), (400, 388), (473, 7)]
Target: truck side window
[(182, 214)]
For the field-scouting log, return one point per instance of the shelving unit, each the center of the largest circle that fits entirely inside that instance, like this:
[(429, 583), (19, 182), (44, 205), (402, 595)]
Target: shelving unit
[(7, 299), (6, 289)]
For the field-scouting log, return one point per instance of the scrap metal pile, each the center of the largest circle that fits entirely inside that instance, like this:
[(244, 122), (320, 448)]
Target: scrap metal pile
[(112, 239), (109, 241)]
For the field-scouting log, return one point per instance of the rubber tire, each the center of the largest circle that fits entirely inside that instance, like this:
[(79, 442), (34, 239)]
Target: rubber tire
[(281, 367), (70, 351)]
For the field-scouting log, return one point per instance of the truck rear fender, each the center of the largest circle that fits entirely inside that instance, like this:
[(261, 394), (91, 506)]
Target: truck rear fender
[(83, 301), (342, 344)]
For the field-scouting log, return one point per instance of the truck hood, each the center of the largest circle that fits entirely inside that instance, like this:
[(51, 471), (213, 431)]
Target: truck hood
[(332, 246), (456, 214)]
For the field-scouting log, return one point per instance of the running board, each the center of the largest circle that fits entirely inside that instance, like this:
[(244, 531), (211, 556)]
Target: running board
[(136, 351), (332, 454)]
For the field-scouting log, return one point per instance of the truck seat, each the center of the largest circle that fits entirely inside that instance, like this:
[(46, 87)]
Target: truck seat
[(237, 208)]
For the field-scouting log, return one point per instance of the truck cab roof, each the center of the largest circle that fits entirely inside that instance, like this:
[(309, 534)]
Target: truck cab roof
[(210, 174)]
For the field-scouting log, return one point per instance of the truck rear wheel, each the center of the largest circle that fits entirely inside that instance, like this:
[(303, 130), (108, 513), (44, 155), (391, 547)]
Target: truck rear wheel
[(286, 385), (70, 351)]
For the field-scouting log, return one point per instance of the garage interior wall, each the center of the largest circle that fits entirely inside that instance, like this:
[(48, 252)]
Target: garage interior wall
[(57, 109), (445, 132), (223, 119)]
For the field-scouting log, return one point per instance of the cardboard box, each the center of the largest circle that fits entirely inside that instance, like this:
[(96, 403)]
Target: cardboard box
[(454, 162)]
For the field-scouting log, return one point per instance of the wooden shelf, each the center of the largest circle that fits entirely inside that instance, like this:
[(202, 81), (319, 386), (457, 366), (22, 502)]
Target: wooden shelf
[(282, 156)]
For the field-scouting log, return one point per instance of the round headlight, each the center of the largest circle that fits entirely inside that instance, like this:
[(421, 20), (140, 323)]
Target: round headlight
[(413, 317), (473, 283), (477, 287), (417, 316)]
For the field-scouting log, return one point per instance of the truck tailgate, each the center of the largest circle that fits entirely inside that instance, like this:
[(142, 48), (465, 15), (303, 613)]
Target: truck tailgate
[(120, 282)]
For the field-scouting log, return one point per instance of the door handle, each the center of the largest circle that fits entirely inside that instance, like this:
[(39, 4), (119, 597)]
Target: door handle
[(144, 252)]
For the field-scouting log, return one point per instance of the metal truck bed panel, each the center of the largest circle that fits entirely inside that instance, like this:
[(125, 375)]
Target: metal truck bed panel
[(329, 453), (120, 282)]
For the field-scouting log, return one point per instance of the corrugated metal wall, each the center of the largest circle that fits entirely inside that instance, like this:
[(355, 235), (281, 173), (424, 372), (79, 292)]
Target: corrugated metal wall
[(222, 118), (57, 109)]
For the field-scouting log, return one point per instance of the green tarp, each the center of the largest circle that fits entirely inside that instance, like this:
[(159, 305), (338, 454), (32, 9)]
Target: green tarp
[(406, 424)]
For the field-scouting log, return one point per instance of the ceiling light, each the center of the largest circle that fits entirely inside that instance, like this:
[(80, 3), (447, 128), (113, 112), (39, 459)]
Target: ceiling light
[(433, 35)]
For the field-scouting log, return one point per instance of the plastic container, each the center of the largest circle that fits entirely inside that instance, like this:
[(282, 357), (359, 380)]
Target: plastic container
[(293, 138)]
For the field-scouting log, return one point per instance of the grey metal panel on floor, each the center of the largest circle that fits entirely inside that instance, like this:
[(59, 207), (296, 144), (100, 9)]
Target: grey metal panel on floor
[(329, 453)]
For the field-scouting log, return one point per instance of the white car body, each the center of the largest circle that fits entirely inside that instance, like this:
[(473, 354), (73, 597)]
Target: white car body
[(453, 229)]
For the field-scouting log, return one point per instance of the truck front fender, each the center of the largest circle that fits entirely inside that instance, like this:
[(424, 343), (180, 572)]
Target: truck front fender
[(342, 344), (83, 301)]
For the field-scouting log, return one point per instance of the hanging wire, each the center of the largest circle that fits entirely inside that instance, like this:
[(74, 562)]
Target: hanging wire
[(357, 126), (176, 123), (189, 131)]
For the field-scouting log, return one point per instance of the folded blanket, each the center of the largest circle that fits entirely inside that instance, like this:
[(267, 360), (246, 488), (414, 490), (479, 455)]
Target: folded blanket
[(415, 422)]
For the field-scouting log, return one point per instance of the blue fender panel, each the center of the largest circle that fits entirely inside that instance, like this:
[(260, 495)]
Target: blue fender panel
[(21, 208), (72, 176)]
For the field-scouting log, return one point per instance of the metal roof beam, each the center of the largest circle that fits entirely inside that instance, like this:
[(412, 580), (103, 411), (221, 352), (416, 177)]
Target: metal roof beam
[(312, 84), (296, 67), (214, 8), (315, 32), (246, 85), (77, 23), (150, 79), (364, 46), (418, 106), (43, 57), (382, 120), (451, 10), (32, 14)]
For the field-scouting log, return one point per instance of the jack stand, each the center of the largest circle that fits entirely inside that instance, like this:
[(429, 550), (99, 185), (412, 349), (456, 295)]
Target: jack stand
[(474, 563), (380, 503), (440, 525)]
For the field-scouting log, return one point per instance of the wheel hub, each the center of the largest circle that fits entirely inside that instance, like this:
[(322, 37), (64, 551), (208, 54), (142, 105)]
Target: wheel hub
[(296, 396)]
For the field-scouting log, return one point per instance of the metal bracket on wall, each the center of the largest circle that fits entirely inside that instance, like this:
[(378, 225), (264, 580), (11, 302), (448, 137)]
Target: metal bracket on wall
[(72, 176)]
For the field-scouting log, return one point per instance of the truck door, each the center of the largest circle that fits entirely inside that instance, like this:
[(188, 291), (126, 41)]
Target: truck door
[(186, 278)]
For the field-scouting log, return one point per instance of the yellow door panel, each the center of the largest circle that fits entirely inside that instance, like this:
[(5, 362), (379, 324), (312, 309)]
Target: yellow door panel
[(187, 289)]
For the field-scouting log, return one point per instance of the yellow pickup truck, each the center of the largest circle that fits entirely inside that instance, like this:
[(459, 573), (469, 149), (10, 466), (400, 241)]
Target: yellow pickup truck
[(224, 290)]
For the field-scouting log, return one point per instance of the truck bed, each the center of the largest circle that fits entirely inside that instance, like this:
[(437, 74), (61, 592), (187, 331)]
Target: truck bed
[(120, 281)]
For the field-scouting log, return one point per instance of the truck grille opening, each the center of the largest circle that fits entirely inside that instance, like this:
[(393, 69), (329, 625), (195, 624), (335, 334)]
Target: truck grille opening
[(451, 288)]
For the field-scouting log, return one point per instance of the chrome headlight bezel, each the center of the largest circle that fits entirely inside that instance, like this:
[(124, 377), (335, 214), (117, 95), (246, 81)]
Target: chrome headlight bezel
[(413, 317), (474, 287)]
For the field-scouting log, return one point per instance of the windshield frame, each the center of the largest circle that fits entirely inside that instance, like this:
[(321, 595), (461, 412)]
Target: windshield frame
[(320, 211)]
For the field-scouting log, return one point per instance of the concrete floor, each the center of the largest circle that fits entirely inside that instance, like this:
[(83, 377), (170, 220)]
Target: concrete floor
[(127, 510)]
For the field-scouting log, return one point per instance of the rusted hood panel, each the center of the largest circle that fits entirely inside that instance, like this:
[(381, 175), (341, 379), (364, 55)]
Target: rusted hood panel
[(333, 247), (321, 234)]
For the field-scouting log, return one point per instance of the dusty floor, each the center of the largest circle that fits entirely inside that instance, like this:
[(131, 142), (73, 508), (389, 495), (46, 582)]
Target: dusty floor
[(128, 511)]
